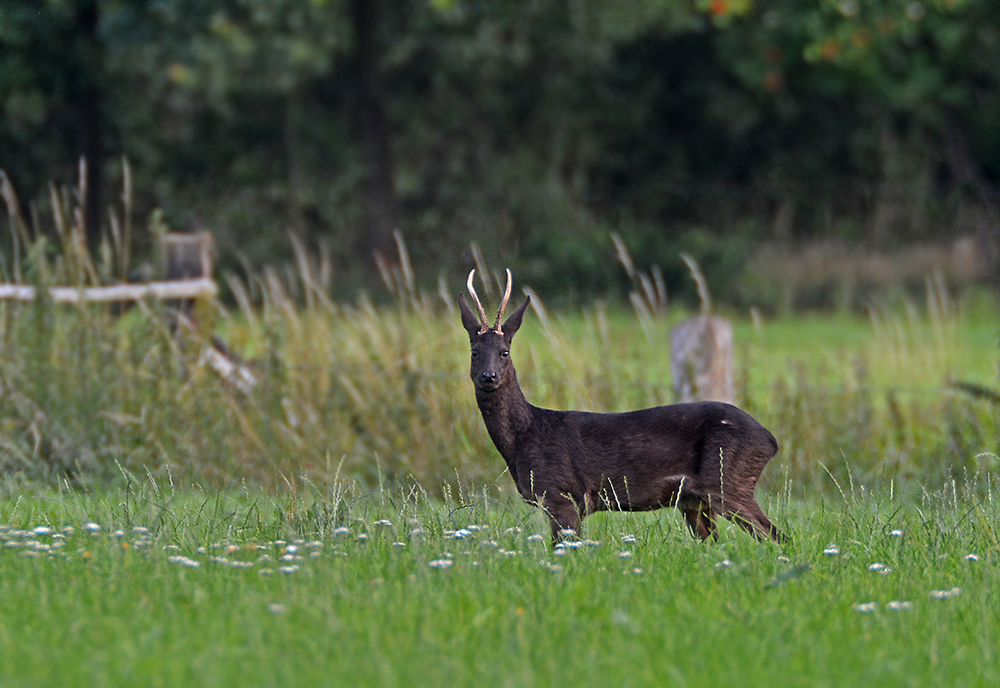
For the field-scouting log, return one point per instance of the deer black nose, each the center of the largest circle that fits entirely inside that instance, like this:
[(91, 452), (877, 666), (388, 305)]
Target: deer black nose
[(489, 376)]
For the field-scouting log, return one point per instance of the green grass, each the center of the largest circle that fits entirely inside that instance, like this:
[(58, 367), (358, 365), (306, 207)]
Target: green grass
[(114, 610)]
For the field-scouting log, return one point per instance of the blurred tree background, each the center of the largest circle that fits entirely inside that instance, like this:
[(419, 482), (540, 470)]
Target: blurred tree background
[(731, 129)]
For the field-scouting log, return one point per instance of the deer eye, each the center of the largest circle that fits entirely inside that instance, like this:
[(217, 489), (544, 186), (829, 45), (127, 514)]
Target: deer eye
[(505, 353), (474, 353)]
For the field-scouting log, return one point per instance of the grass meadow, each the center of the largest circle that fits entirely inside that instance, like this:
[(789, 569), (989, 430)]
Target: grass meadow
[(347, 586), (334, 513)]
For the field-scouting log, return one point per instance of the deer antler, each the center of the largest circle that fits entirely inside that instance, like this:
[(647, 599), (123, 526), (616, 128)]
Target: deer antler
[(484, 328), (503, 305)]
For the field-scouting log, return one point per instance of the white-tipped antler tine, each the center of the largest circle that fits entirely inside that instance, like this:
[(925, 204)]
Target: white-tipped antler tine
[(503, 304), (483, 327)]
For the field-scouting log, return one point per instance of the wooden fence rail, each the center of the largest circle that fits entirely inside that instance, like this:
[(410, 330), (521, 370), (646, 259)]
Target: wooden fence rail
[(177, 289)]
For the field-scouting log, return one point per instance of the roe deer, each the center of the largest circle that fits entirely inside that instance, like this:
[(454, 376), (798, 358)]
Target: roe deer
[(703, 458)]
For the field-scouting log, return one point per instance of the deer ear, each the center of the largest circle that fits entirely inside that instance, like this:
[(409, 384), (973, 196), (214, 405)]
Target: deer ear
[(513, 323), (469, 319)]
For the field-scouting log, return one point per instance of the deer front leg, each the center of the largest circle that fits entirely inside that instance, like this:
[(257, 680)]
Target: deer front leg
[(564, 514)]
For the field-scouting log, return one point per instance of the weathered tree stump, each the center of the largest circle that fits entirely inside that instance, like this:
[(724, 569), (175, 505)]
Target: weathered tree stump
[(701, 359)]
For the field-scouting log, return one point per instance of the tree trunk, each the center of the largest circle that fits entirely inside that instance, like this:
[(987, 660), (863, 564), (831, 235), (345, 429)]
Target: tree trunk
[(970, 179), (87, 102), (379, 190)]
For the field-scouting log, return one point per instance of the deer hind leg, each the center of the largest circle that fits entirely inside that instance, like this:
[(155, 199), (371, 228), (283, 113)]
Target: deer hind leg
[(751, 518), (700, 519)]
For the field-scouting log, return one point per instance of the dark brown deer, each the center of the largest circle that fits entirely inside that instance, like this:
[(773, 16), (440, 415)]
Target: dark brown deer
[(703, 458)]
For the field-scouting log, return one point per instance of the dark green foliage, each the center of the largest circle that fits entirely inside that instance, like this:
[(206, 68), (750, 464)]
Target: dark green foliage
[(532, 128)]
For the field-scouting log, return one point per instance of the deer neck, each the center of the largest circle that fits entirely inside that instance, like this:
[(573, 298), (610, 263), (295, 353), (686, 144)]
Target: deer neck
[(507, 416)]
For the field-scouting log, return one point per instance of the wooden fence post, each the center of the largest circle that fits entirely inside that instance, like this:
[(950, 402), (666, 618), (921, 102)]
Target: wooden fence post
[(187, 256), (701, 359)]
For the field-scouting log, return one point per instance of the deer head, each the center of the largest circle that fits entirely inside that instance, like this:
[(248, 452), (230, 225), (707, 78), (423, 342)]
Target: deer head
[(491, 367)]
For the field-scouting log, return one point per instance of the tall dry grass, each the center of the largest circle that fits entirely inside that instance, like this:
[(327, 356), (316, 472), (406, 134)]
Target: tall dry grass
[(375, 392), (838, 276)]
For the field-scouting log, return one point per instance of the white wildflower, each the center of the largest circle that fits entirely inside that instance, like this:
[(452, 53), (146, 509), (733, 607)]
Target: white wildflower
[(945, 594), (184, 561)]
